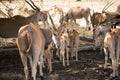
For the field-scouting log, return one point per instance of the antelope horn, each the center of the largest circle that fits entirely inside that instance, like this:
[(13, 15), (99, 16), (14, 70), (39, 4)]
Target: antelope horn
[(30, 4), (52, 22), (35, 5), (107, 5), (5, 5), (4, 14)]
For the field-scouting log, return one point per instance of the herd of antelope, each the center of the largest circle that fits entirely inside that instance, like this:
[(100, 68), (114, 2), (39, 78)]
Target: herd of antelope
[(37, 44)]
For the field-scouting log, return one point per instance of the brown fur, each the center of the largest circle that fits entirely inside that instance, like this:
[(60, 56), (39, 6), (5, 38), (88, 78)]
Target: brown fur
[(64, 51), (48, 55), (98, 18), (112, 45), (77, 13), (109, 39), (74, 43), (31, 43)]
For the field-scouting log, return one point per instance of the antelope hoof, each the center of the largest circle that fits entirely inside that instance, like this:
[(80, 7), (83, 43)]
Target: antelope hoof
[(105, 66), (113, 78), (113, 75), (50, 72), (63, 65), (68, 65), (42, 78), (32, 78), (76, 59)]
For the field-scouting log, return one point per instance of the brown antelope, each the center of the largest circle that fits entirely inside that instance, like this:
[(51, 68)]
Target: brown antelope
[(10, 26), (111, 48), (109, 40), (48, 55), (64, 40), (64, 43), (77, 13), (98, 17), (101, 17), (74, 43), (104, 28), (32, 42)]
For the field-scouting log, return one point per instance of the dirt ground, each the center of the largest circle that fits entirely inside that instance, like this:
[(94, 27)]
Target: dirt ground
[(89, 67)]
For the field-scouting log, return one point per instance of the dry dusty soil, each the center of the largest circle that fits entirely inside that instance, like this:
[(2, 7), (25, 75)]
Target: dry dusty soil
[(89, 67)]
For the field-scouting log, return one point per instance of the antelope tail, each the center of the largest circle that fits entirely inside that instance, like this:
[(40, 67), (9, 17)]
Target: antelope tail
[(29, 39), (25, 41)]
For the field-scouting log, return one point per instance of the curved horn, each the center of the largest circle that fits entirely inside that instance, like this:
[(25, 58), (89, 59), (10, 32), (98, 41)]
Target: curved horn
[(52, 22), (35, 5), (30, 4), (107, 6)]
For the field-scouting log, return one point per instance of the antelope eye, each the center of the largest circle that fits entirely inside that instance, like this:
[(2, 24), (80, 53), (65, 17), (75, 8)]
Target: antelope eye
[(103, 25), (55, 34)]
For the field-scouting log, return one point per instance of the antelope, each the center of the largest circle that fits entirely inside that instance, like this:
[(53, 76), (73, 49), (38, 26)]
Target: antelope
[(105, 27), (64, 43), (99, 35), (108, 39), (99, 17), (10, 26), (74, 43), (48, 55), (77, 13), (111, 48), (64, 40), (32, 42)]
